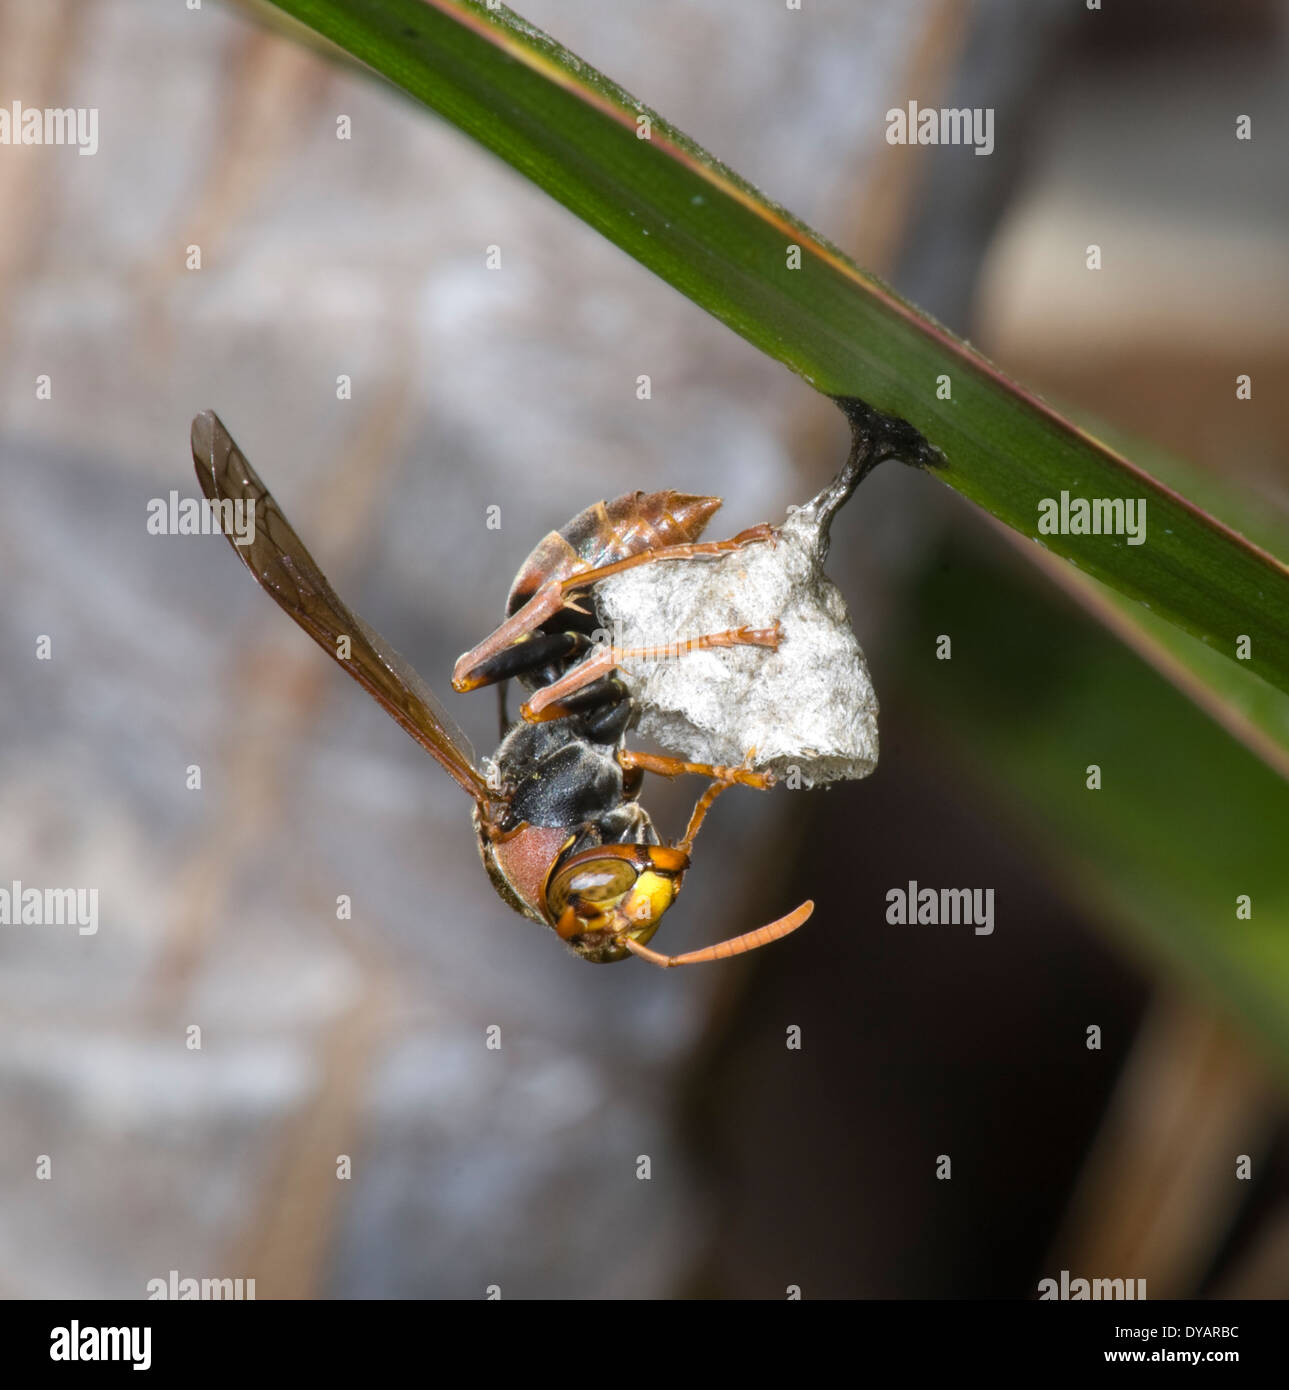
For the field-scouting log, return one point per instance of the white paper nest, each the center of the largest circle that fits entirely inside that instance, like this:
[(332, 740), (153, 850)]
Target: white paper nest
[(808, 709)]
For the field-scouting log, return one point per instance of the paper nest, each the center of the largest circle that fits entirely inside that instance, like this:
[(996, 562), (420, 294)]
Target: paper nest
[(808, 708)]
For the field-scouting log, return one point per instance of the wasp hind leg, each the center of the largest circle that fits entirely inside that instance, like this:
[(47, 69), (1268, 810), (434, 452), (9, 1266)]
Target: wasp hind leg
[(526, 656), (689, 550)]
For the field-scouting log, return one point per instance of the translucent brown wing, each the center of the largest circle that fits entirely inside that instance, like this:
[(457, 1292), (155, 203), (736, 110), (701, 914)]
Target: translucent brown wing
[(277, 558)]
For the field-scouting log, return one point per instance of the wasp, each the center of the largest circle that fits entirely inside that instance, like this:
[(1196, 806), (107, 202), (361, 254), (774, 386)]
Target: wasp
[(560, 829)]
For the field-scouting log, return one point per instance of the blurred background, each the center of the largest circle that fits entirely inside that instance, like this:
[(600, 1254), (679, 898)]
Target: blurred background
[(770, 1167)]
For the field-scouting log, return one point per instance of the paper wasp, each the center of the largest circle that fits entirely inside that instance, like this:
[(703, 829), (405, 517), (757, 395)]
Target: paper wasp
[(560, 830)]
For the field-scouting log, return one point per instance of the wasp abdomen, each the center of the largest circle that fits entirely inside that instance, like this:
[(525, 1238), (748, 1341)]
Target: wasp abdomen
[(609, 531)]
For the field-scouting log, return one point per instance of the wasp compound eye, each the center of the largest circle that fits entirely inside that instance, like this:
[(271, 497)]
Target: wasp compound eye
[(601, 881)]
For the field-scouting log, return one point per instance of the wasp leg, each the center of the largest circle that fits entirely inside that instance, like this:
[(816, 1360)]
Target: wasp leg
[(732, 775), (557, 594), (528, 654), (606, 708), (546, 703), (491, 659), (688, 551), (738, 945), (699, 814), (665, 766)]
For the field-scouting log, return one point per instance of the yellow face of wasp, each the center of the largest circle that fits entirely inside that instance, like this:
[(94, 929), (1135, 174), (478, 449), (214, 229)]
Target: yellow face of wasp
[(596, 903), (642, 908)]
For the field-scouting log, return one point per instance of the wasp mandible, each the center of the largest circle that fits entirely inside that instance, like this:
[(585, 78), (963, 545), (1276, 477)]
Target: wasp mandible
[(560, 829)]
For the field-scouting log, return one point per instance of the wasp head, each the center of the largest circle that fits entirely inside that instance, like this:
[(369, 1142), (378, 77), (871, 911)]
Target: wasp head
[(602, 896)]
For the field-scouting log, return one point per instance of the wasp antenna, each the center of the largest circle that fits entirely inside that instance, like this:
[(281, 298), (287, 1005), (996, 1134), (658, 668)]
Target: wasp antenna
[(735, 946)]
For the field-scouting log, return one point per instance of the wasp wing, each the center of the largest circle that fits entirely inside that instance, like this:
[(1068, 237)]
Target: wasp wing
[(277, 558)]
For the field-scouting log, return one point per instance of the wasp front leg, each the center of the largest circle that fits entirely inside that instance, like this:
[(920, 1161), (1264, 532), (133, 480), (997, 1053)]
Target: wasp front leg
[(664, 766), (722, 779)]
